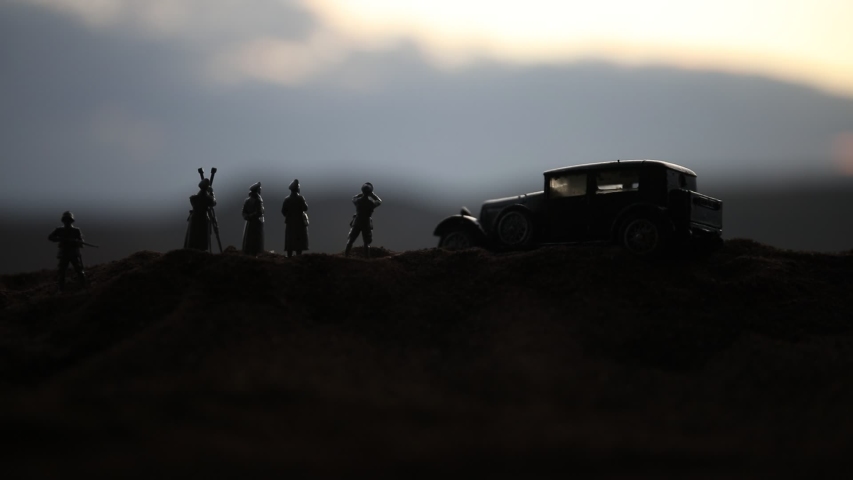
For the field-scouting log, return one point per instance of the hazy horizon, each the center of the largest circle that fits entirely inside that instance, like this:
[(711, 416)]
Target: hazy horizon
[(110, 107)]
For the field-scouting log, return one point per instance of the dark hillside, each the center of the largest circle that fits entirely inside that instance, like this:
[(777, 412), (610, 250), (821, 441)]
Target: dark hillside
[(430, 362)]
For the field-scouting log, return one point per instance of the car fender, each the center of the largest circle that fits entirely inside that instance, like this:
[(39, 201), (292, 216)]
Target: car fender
[(459, 221), (649, 209)]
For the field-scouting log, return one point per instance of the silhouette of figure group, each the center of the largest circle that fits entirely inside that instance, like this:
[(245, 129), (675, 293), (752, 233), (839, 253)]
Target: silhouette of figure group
[(202, 219), (202, 223)]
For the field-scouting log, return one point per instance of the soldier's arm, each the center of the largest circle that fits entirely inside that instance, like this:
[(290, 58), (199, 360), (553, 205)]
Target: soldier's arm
[(376, 200), (54, 236)]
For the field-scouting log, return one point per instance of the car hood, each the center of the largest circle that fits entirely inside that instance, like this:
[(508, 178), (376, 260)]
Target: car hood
[(528, 199), (491, 208)]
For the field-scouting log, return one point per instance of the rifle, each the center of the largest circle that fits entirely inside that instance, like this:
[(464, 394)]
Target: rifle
[(78, 242), (212, 211)]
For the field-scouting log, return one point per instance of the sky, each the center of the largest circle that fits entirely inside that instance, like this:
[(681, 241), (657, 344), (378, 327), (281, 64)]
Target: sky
[(124, 99)]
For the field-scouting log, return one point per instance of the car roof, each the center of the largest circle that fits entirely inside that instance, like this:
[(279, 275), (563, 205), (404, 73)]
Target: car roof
[(621, 164)]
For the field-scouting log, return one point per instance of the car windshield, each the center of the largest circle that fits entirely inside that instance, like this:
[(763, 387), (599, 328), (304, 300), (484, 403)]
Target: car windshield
[(680, 180)]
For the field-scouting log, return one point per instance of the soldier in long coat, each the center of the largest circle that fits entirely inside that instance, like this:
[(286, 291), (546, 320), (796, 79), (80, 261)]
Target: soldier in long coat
[(362, 223), (70, 241), (198, 223), (253, 214), (294, 210)]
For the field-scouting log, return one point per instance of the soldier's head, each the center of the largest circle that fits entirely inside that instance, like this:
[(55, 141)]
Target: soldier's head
[(255, 188), (204, 184), (67, 218), (294, 185), (367, 188)]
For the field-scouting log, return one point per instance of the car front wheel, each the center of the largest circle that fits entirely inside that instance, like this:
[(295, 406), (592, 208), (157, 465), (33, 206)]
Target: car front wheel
[(456, 240)]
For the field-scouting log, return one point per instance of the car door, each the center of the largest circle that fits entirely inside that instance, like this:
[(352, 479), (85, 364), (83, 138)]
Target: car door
[(566, 211), (610, 192)]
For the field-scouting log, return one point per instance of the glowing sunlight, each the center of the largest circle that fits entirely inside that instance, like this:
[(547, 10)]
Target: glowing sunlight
[(806, 42)]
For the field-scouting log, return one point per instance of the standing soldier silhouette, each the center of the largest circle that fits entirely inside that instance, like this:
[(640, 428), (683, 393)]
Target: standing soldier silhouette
[(295, 221), (70, 241), (365, 202), (199, 227), (253, 214)]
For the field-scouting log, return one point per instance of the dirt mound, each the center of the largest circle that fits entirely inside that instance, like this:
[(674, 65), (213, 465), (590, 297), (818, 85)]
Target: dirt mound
[(429, 361)]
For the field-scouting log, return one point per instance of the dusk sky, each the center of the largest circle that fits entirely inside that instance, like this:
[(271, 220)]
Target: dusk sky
[(124, 99)]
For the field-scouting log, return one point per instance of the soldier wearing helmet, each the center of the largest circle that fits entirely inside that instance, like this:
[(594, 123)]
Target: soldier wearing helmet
[(362, 223), (253, 214), (199, 222), (70, 240)]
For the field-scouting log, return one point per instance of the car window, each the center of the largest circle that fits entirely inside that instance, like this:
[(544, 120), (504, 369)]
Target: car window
[(615, 181), (681, 180), (570, 185)]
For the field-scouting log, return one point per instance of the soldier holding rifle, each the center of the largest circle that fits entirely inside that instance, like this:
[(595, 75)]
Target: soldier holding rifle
[(70, 241)]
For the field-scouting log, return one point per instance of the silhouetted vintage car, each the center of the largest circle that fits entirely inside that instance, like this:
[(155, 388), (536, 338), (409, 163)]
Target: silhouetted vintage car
[(645, 205)]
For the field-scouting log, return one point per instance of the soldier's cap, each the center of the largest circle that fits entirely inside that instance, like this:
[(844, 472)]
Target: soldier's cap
[(294, 185), (204, 183), (367, 188), (255, 187), (67, 217)]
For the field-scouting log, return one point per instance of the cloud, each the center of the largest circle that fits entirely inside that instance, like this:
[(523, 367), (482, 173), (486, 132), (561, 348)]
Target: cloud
[(94, 104), (277, 61), (275, 41), (843, 152), (201, 22), (131, 137), (792, 41), (293, 42), (99, 13)]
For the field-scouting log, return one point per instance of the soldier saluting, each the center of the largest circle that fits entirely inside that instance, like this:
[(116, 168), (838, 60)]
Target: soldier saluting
[(70, 241), (362, 223)]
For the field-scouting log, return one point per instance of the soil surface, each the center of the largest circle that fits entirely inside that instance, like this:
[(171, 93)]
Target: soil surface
[(557, 360)]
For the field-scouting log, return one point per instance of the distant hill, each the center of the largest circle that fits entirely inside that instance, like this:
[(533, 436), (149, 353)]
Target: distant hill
[(428, 362)]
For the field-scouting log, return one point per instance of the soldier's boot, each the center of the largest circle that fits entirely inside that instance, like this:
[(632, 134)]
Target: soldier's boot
[(346, 252), (60, 282), (367, 251)]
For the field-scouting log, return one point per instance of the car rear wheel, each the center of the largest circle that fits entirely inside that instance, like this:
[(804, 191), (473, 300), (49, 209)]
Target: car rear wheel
[(642, 236), (457, 240), (515, 228)]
